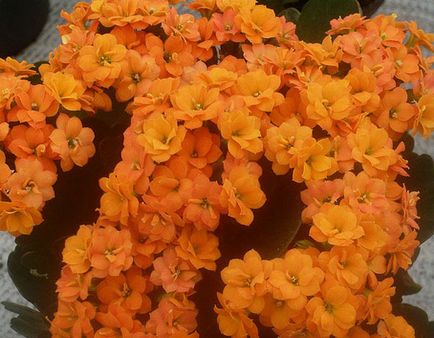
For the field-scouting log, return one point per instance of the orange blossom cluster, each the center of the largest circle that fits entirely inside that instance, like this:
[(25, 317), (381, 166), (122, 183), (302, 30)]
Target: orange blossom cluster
[(209, 97)]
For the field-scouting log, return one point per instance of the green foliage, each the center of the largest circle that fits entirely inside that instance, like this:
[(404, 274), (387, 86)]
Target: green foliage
[(35, 264), (416, 317), (405, 285), (273, 230), (29, 323), (291, 14), (314, 20), (421, 178)]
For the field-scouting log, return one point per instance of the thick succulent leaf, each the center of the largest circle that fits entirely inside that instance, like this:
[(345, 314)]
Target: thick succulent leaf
[(275, 226), (421, 178), (314, 20), (35, 264), (370, 6), (291, 14), (29, 323), (416, 317), (405, 285)]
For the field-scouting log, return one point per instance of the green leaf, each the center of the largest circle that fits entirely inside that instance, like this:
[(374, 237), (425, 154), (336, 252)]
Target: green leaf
[(416, 317), (291, 14), (274, 228), (314, 20), (35, 263), (29, 323), (421, 178), (405, 285)]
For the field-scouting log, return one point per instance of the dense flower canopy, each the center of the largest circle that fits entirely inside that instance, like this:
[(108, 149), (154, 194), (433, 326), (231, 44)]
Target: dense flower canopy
[(209, 97)]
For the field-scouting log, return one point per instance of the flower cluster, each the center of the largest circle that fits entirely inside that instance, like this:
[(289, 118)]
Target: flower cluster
[(349, 90), (35, 132), (208, 98)]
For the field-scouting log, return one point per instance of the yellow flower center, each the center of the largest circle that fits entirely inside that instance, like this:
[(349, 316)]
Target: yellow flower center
[(105, 60), (136, 77), (73, 143), (328, 307)]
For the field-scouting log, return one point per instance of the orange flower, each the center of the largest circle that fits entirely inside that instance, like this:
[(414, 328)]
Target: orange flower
[(236, 5), (394, 327), (313, 160), (30, 183), (157, 97), (425, 116), (226, 26), (218, 77), (346, 264), (118, 13), (171, 185), (246, 282), (173, 56), (161, 137), (279, 315), (406, 64), (319, 193), (119, 202), (203, 6), (73, 286), (294, 278), (175, 317), (242, 131), (135, 164), (336, 225), (203, 208), (102, 61), (76, 253), (394, 112), (372, 147), (16, 68), (195, 104), (17, 218), (116, 322), (241, 193), (5, 171), (32, 143), (334, 314), (280, 140), (259, 23), (259, 90), (365, 193), (363, 90), (181, 25), (201, 148), (374, 237), (233, 323), (174, 273), (199, 247), (128, 289), (378, 305), (72, 142), (154, 11), (65, 89), (419, 37), (329, 103), (157, 223), (136, 75), (401, 252), (73, 320), (110, 251), (35, 105)]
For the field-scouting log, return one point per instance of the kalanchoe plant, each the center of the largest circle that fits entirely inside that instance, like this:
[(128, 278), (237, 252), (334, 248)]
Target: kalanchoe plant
[(183, 149)]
